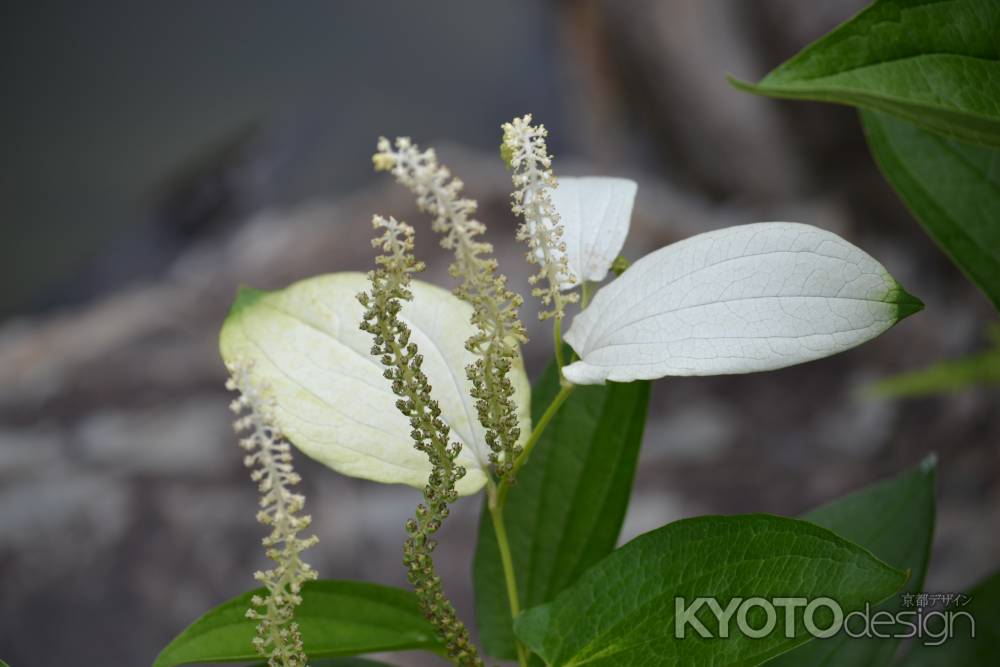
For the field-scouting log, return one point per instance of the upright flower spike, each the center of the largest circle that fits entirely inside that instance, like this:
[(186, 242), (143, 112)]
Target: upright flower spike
[(390, 284), (499, 330), (268, 455), (524, 148)]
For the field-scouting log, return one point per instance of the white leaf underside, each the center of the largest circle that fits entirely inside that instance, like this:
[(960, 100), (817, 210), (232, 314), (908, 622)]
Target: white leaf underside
[(333, 402), (595, 212), (737, 300)]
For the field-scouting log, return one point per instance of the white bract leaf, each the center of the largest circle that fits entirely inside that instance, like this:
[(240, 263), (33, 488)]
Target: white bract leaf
[(305, 349), (737, 300), (595, 214)]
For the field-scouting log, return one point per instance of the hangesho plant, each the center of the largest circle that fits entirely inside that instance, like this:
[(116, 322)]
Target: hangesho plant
[(388, 378)]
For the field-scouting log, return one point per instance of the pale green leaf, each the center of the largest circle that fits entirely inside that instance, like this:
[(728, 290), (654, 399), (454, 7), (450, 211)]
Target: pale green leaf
[(333, 402)]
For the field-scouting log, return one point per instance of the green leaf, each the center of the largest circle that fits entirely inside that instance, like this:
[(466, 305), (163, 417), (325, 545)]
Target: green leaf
[(894, 519), (622, 611), (566, 510), (961, 648), (952, 188), (339, 662), (935, 63), (337, 618)]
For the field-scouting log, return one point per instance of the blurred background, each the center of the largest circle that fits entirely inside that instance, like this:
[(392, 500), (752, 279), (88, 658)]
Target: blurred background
[(157, 155)]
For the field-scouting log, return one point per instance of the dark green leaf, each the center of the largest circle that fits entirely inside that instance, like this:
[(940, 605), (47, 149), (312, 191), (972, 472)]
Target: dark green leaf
[(893, 519), (952, 188), (935, 63), (337, 618), (622, 610), (339, 662), (961, 648), (566, 510)]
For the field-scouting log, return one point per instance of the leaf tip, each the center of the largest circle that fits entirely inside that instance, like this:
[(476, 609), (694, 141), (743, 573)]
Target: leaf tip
[(245, 297), (740, 84), (906, 304)]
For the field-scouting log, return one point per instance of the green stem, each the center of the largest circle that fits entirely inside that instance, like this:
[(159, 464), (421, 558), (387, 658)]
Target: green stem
[(557, 339), (497, 498), (536, 433), (588, 292), (503, 544)]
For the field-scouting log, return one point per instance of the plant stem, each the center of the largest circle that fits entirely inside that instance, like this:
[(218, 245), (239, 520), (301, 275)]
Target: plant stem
[(557, 339), (497, 498), (536, 433), (588, 289), (503, 544)]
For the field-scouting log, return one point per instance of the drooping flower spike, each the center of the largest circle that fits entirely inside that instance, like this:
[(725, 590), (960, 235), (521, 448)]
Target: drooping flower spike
[(401, 357), (499, 329), (278, 637)]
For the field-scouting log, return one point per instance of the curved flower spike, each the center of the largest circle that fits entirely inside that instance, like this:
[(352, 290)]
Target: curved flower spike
[(595, 214), (330, 397), (738, 300)]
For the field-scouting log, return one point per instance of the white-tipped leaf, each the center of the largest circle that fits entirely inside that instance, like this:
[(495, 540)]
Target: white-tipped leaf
[(595, 213), (332, 401), (737, 300)]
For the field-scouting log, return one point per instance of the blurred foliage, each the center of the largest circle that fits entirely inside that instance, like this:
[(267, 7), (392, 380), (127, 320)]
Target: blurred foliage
[(946, 376)]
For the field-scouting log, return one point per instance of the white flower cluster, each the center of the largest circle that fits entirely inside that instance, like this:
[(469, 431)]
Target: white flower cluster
[(269, 456), (524, 148), (438, 193)]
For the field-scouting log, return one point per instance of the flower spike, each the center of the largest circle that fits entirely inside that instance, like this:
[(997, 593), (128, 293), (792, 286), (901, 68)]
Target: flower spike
[(269, 456), (390, 284), (499, 330), (525, 150)]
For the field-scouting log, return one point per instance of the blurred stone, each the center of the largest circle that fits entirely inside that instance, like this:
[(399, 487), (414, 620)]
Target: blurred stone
[(857, 425), (650, 510), (54, 508), (28, 450), (698, 433), (179, 439)]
